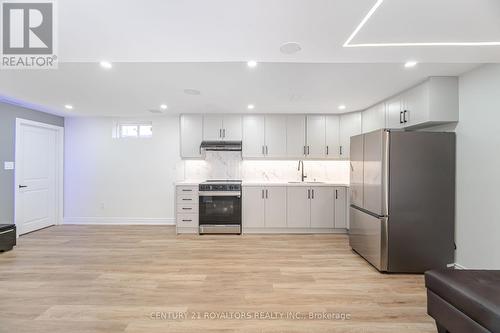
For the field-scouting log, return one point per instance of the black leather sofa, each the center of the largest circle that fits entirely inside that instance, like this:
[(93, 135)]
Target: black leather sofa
[(464, 301)]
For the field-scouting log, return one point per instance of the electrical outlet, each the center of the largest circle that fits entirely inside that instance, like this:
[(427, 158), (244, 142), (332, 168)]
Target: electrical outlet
[(8, 165)]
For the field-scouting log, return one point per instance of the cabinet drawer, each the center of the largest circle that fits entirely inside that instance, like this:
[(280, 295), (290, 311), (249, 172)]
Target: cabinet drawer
[(192, 190), (187, 208), (187, 199), (187, 220)]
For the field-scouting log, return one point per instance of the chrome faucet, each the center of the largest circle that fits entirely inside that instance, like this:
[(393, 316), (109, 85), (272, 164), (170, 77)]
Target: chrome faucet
[(298, 169)]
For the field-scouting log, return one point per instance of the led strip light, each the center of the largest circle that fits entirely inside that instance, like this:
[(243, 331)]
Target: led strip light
[(370, 14)]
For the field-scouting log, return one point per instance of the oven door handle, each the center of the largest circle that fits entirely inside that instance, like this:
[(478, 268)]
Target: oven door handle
[(220, 194)]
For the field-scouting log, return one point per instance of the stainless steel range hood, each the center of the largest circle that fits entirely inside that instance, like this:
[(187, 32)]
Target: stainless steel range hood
[(221, 145)]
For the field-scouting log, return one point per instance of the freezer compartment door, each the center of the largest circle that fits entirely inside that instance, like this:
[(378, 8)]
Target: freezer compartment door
[(368, 237)]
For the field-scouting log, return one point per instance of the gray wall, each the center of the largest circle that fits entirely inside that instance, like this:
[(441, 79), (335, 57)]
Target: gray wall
[(8, 115)]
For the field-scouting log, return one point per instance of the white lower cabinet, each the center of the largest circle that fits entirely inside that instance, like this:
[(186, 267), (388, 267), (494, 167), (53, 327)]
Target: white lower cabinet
[(305, 209), (340, 207), (264, 207), (186, 211), (298, 207), (322, 207)]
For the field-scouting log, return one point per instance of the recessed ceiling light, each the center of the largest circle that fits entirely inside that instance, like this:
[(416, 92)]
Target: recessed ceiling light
[(192, 92), (290, 48), (410, 64), (106, 64), (252, 63), (163, 106), (250, 106), (342, 107), (68, 106)]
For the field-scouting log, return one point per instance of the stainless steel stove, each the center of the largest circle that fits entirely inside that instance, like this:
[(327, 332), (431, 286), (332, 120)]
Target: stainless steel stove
[(220, 206)]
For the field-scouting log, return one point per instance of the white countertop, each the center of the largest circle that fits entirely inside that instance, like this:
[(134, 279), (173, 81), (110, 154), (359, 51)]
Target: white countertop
[(268, 183)]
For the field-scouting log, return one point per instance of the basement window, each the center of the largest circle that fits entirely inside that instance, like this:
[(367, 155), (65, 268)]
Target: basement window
[(142, 130)]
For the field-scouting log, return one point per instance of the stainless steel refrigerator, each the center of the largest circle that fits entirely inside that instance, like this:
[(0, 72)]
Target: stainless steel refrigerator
[(402, 204)]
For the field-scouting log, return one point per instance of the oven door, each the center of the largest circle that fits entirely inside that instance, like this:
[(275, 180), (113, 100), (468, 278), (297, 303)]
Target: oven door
[(220, 208)]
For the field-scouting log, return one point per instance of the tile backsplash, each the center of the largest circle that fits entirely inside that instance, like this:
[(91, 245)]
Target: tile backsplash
[(229, 165)]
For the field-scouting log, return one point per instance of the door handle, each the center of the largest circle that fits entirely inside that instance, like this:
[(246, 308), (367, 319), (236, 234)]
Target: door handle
[(404, 116), (312, 194), (400, 117), (22, 186)]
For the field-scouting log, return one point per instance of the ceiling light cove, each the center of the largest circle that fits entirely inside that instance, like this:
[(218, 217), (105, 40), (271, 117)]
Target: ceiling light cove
[(68, 107), (370, 14), (252, 64), (163, 106), (106, 64), (342, 107), (410, 64), (250, 106)]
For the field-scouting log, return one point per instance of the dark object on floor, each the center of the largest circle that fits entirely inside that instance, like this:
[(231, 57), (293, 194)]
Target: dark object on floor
[(7, 236), (464, 301)]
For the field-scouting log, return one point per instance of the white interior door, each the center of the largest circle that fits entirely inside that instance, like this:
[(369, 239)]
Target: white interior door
[(37, 176)]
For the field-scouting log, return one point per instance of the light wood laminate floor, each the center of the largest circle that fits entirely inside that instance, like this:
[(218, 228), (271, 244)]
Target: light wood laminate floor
[(132, 278)]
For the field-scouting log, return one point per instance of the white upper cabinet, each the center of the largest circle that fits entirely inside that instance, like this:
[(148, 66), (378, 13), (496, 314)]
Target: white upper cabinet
[(373, 118), (316, 130), (191, 135), (394, 112), (275, 136), (212, 127), (222, 127), (295, 136), (433, 102), (332, 136), (232, 128), (350, 125), (253, 144)]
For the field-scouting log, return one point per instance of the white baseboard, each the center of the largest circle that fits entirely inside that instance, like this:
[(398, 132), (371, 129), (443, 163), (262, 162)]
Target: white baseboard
[(121, 220)]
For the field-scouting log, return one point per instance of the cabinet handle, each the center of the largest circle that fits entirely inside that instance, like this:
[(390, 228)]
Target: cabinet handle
[(262, 194), (184, 208), (266, 151), (308, 150), (187, 199), (327, 150), (312, 194), (404, 116), (266, 193), (184, 190), (263, 153), (220, 133), (304, 150), (401, 117), (340, 150), (308, 194), (187, 220), (224, 133), (336, 194)]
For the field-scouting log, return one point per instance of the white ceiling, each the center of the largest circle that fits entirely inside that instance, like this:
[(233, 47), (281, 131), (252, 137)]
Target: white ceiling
[(131, 89), (161, 47), (239, 30)]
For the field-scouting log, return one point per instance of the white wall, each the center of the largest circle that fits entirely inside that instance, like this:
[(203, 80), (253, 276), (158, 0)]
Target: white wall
[(111, 180), (478, 169)]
